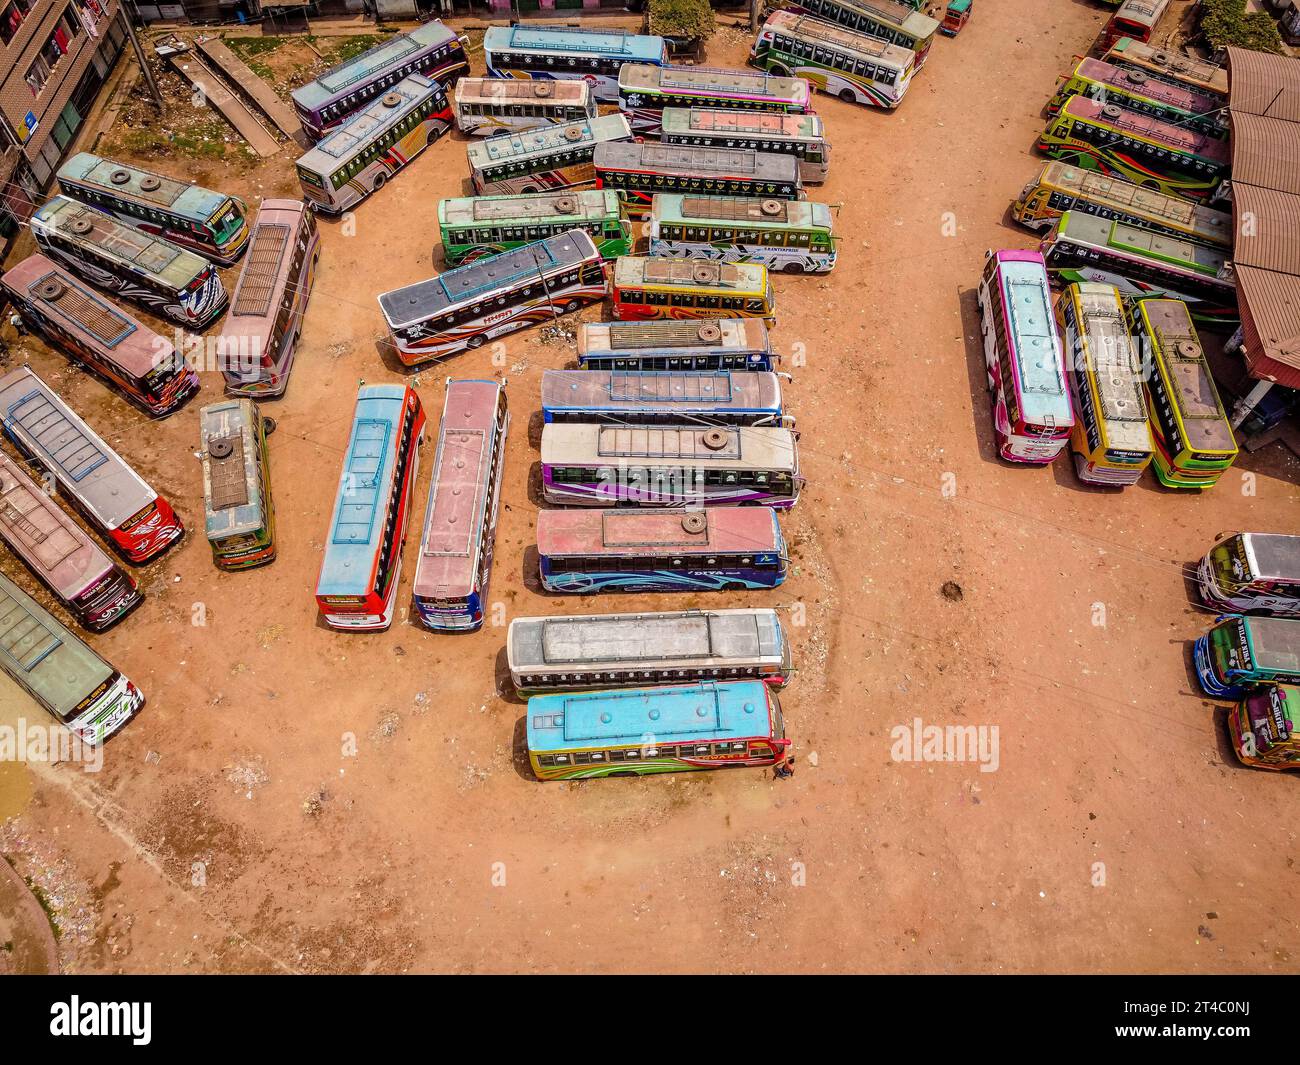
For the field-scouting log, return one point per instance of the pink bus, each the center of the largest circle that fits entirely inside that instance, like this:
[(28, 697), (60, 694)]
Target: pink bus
[(67, 561), (455, 563)]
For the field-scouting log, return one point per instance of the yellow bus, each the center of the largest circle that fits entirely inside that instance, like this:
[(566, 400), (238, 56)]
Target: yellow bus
[(647, 287), (1111, 440), (1062, 187), (1193, 438)]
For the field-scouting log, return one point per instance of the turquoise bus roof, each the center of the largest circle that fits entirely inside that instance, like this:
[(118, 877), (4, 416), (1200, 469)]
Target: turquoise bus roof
[(485, 153), (360, 507), (193, 202), (615, 44), (368, 64), (1038, 361), (679, 714)]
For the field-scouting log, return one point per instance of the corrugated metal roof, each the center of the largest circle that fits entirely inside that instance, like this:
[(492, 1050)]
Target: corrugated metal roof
[(1270, 317), (1264, 84), (1265, 151), (1267, 228)]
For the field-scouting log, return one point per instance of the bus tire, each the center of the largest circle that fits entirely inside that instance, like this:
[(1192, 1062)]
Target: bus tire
[(793, 268), (572, 305), (732, 586), (530, 188), (476, 341), (379, 182), (268, 426), (848, 96)]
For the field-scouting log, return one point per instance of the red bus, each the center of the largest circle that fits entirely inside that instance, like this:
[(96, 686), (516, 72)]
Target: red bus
[(455, 563), (1135, 19), (67, 561), (119, 504), (261, 329), (96, 334), (362, 569)]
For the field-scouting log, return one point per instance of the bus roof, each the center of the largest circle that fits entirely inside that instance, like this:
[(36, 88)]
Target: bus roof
[(369, 123), (1175, 251), (38, 652), (464, 284), (62, 442), (1037, 355), (547, 139), (1211, 75), (661, 391), (131, 182), (632, 533), (711, 81), (1140, 200), (87, 315), (671, 715), (580, 205), (500, 90), (1164, 133), (758, 448), (1113, 365), (668, 637), (743, 334), (1274, 555), (614, 44), (1141, 12), (699, 275), (697, 160), (462, 471), (777, 214), (1274, 643), (1138, 84), (232, 501), (133, 248), (901, 15), (360, 508), (845, 39), (390, 53), (739, 123), (266, 263)]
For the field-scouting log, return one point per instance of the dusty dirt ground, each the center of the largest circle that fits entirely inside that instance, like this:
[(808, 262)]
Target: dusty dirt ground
[(228, 831)]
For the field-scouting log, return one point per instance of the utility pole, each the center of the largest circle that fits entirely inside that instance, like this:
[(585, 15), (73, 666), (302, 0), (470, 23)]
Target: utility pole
[(754, 6), (152, 85)]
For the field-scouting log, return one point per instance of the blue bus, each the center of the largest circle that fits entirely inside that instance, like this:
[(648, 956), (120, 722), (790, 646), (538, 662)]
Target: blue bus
[(362, 568), (644, 550), (630, 397), (655, 730), (594, 56), (676, 344)]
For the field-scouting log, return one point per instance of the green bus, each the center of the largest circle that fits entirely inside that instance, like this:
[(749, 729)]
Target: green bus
[(793, 236), (474, 226)]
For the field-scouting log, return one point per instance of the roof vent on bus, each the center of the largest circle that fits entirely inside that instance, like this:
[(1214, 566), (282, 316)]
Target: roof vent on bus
[(541, 88), (221, 448), (694, 522), (709, 331), (1136, 77), (703, 272), (714, 439), (573, 133), (391, 99), (81, 226), (1188, 349), (1111, 111), (1160, 58), (120, 177), (50, 289), (566, 205), (770, 207), (150, 183)]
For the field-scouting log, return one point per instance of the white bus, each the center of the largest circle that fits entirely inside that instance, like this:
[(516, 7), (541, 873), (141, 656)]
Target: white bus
[(802, 136), (556, 157), (793, 236), (562, 52), (490, 106)]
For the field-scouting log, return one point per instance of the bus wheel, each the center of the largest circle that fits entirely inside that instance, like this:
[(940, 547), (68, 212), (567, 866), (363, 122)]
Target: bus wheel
[(476, 341), (268, 426), (530, 188), (733, 586), (379, 182), (793, 268), (573, 305), (848, 96)]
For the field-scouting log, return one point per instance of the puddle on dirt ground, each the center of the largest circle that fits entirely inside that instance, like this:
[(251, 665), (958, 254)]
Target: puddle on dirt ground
[(26, 941)]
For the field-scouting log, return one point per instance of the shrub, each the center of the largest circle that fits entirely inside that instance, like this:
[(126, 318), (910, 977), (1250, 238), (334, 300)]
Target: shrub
[(1226, 22), (692, 19)]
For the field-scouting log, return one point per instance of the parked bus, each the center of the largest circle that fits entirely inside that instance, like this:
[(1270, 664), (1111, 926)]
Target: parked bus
[(1032, 416), (260, 334), (92, 587), (476, 226), (1134, 91), (460, 522), (431, 51), (564, 52), (636, 397), (1265, 727), (57, 669), (1110, 440), (556, 157), (802, 136), (893, 21), (857, 68), (1193, 437), (1062, 187), (111, 496), (1252, 573), (627, 650), (793, 236), (168, 281), (467, 306), (239, 515), (1242, 652), (211, 223), (1135, 19), (125, 354), (1143, 264), (637, 172), (362, 568), (713, 344), (674, 466), (644, 92), (1182, 70), (491, 106), (691, 288), (636, 731), (646, 550), (1138, 148), (372, 146)]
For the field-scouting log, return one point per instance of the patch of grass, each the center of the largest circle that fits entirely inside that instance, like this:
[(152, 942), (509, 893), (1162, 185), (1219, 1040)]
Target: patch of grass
[(204, 140), (44, 900), (250, 46)]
